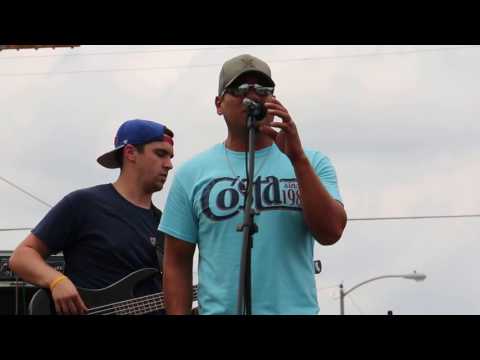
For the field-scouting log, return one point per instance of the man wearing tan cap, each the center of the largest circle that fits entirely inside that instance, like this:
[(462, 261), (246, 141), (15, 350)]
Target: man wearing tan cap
[(295, 192), (105, 232)]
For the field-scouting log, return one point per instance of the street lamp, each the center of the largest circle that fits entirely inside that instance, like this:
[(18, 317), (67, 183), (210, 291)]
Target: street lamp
[(413, 276)]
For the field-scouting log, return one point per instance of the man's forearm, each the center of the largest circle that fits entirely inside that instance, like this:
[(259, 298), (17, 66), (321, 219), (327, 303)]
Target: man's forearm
[(31, 267), (177, 283), (324, 216)]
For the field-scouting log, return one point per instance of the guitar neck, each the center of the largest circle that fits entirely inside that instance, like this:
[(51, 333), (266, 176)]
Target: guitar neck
[(136, 306)]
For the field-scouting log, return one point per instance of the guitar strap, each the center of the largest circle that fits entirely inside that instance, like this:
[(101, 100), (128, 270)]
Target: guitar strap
[(157, 213)]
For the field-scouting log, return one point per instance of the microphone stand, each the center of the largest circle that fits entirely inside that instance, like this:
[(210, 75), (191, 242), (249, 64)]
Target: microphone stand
[(248, 227)]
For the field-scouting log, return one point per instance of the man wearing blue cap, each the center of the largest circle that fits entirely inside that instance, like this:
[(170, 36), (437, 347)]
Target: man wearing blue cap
[(105, 232)]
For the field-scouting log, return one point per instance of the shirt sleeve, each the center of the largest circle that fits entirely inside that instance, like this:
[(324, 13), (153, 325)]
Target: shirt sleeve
[(178, 219), (328, 177), (57, 227)]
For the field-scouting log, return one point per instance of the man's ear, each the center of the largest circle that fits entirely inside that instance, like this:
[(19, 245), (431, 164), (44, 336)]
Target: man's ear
[(218, 104), (129, 152)]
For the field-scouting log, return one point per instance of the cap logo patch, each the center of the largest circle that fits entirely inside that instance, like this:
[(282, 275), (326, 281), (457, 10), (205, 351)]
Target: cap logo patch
[(247, 63)]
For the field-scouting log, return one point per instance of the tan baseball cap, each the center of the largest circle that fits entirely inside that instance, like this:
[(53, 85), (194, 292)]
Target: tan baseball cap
[(242, 64)]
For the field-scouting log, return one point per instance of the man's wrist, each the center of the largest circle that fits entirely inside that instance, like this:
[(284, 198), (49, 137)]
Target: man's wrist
[(56, 281), (300, 160)]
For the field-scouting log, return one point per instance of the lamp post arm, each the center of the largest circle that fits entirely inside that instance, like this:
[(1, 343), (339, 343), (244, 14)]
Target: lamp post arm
[(370, 280)]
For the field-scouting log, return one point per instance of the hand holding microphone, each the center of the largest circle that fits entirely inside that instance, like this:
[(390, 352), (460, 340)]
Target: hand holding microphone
[(287, 139)]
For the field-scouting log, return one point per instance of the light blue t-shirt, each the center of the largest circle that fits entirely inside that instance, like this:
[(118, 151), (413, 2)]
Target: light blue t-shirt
[(204, 207)]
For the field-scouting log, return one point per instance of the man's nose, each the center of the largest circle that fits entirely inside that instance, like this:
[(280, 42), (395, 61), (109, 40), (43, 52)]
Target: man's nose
[(168, 164), (252, 95)]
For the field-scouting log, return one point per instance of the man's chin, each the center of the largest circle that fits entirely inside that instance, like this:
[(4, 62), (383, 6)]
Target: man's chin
[(157, 187)]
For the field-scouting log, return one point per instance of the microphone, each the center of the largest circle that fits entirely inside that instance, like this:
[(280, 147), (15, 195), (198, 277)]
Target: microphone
[(257, 110)]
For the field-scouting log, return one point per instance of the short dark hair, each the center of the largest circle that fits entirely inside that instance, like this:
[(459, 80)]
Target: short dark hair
[(119, 154)]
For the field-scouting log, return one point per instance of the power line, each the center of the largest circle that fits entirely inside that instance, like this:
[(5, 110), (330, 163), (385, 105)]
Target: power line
[(355, 304), (25, 192), (16, 229), (328, 287), (414, 217), (131, 52), (397, 52), (111, 70), (216, 65), (351, 219)]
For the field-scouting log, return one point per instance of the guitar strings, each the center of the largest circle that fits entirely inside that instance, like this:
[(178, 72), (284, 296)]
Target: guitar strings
[(131, 308), (136, 310), (128, 305), (119, 303), (138, 307), (146, 297), (137, 304)]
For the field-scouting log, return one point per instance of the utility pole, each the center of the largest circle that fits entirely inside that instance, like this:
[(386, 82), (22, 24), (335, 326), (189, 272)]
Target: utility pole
[(413, 276), (342, 299)]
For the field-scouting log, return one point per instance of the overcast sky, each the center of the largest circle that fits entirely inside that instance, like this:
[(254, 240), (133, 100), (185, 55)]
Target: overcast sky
[(400, 124)]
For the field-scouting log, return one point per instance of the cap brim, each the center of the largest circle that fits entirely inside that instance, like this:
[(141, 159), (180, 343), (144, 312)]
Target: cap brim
[(265, 76), (109, 159), (168, 131)]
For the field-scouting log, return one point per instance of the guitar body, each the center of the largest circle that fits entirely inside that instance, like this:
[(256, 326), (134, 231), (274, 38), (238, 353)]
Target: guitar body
[(42, 302)]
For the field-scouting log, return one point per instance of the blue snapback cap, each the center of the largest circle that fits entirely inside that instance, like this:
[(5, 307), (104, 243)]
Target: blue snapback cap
[(134, 132)]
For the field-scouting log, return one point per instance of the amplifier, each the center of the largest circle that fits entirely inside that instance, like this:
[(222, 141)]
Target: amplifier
[(6, 274), (15, 294)]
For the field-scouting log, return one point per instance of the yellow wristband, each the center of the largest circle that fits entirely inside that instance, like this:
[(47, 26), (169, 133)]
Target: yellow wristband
[(56, 281)]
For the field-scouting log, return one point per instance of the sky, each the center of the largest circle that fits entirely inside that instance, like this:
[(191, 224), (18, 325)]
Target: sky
[(399, 122)]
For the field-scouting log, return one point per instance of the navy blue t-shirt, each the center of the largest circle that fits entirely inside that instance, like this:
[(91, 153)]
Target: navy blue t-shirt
[(103, 237)]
